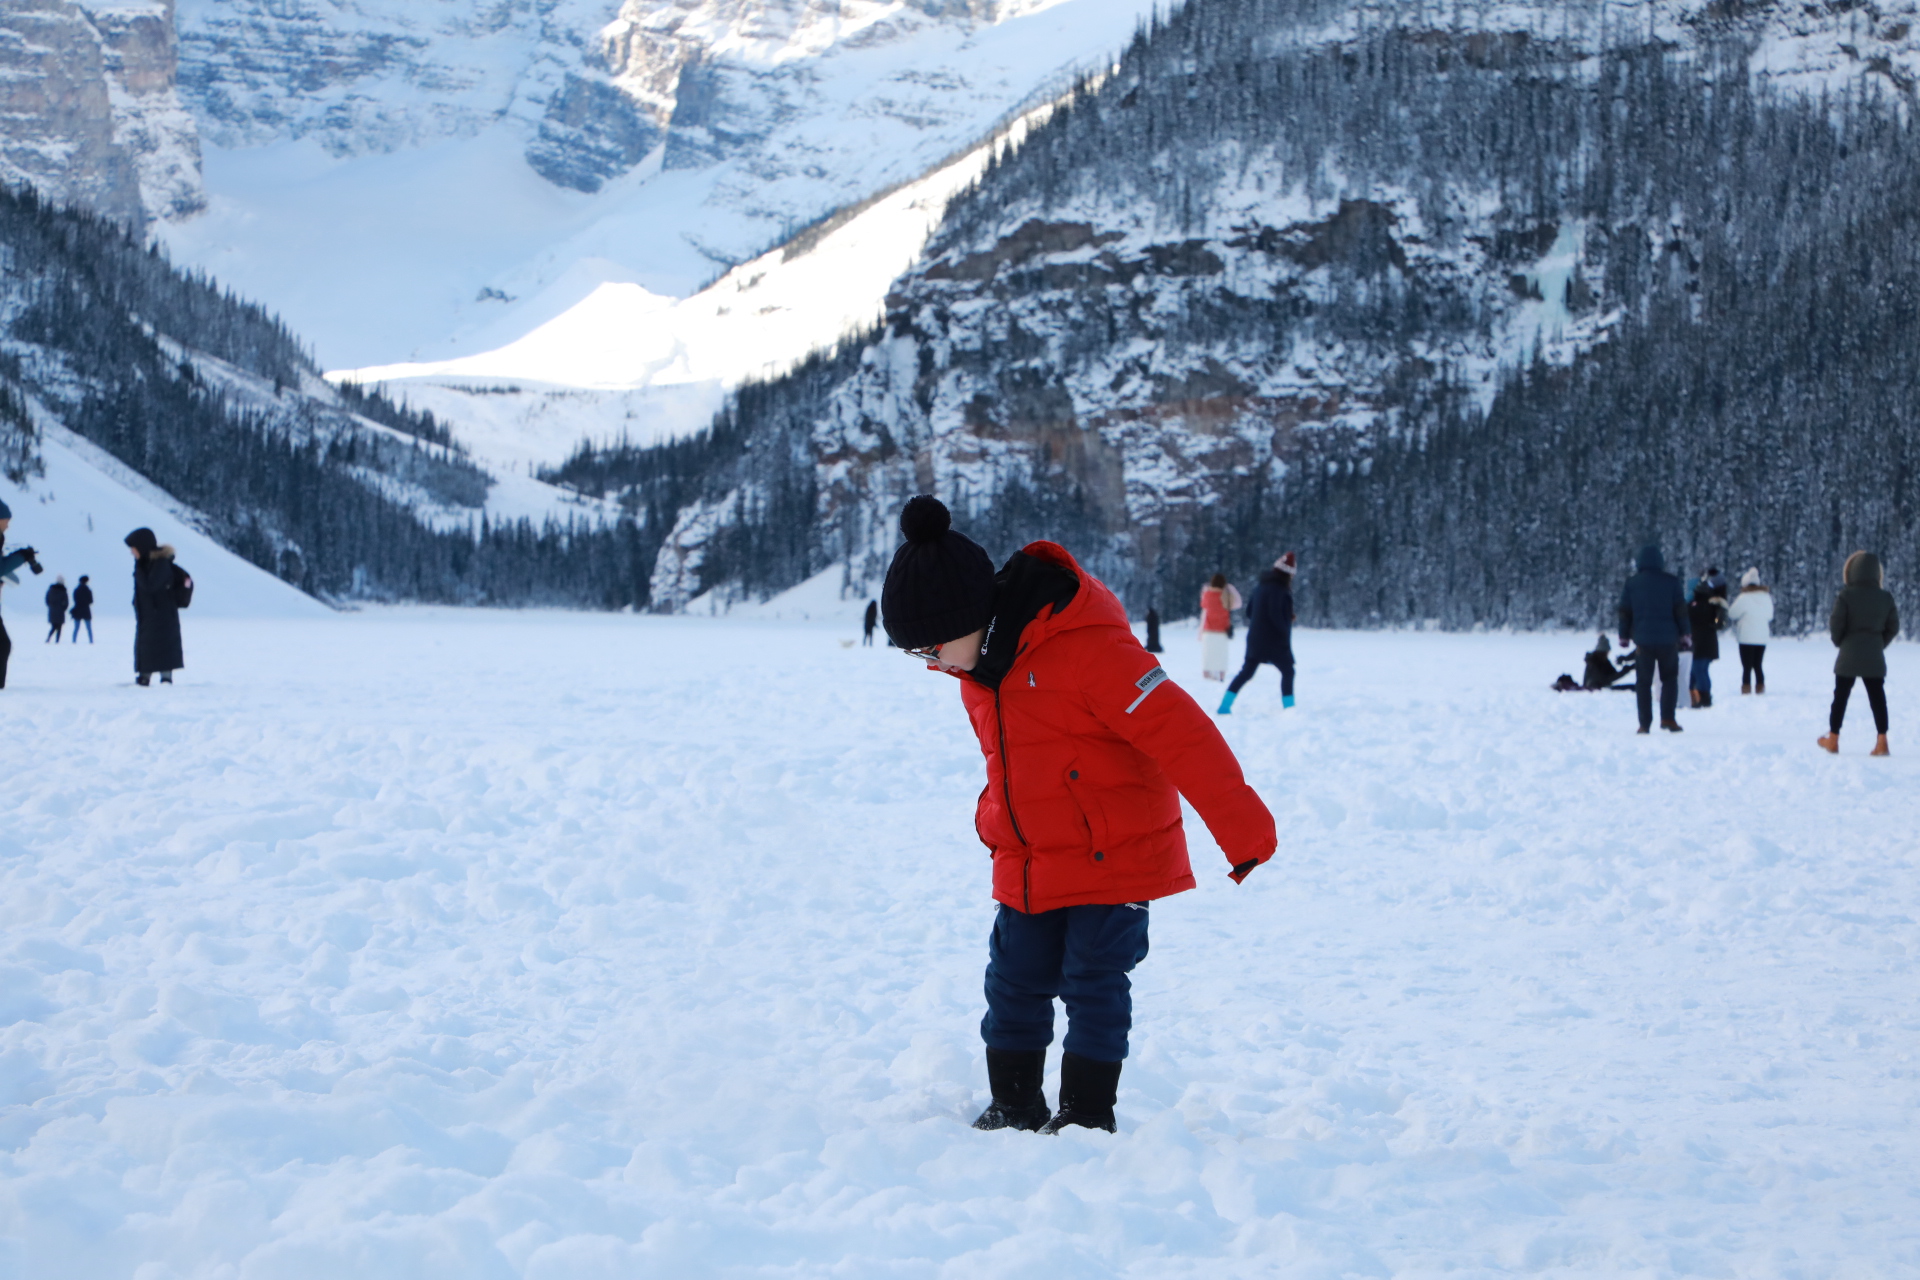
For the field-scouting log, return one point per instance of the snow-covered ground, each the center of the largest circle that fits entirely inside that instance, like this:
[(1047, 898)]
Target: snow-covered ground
[(434, 944)]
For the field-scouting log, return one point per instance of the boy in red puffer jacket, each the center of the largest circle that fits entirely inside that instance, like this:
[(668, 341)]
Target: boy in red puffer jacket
[(1089, 748)]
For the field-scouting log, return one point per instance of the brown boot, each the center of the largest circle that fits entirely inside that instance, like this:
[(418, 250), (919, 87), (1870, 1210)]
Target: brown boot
[(1880, 746), (1831, 742), (1746, 687), (1694, 695)]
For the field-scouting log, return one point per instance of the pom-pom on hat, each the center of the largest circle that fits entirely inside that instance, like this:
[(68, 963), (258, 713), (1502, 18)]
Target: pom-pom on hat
[(1751, 578), (1286, 563), (940, 585)]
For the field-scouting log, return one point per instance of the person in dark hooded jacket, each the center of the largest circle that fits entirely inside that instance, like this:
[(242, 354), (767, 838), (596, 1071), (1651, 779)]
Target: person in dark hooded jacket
[(1864, 622), (156, 633), (1089, 748), (82, 609), (56, 611), (1269, 632), (1653, 615), (1705, 616)]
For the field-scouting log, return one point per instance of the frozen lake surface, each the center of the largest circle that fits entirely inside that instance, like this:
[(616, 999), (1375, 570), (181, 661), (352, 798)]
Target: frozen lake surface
[(424, 944)]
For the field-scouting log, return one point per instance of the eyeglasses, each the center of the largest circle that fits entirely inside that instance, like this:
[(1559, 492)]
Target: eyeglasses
[(929, 654)]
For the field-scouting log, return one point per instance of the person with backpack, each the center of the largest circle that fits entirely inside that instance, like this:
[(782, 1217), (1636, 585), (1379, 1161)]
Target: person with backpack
[(1269, 632), (1089, 747), (1863, 623), (1653, 615), (161, 588), (1751, 617), (56, 611)]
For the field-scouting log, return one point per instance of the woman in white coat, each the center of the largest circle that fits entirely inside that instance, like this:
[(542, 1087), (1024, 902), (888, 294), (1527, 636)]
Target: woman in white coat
[(1750, 615)]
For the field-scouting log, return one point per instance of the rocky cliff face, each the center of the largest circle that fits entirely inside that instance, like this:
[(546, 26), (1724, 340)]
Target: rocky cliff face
[(599, 83), (1279, 244), (89, 113)]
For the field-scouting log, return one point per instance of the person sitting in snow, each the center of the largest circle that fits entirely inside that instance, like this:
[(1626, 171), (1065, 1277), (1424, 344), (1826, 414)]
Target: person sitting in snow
[(1089, 747), (1601, 673)]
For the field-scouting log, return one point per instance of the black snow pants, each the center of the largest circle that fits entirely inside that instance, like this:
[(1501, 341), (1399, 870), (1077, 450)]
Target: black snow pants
[(1253, 665), (1876, 698), (1667, 658), (1751, 656)]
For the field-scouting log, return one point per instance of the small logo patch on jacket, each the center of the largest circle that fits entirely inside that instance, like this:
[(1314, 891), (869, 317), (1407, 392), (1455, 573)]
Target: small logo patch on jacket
[(1146, 684)]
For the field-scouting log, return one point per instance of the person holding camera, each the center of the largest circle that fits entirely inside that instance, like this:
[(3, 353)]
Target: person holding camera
[(9, 561)]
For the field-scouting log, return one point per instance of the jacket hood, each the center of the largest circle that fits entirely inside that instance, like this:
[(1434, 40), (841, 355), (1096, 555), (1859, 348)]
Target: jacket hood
[(1094, 605), (1650, 560), (1041, 592), (1863, 569)]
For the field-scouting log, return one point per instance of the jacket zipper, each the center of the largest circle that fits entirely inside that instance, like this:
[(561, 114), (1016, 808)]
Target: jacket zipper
[(1006, 791)]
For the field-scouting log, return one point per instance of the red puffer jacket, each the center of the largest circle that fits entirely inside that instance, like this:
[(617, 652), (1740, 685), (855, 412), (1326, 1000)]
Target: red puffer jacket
[(1089, 748)]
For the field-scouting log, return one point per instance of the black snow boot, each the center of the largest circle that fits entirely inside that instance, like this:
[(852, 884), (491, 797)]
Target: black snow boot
[(1087, 1089), (1015, 1076), (143, 679)]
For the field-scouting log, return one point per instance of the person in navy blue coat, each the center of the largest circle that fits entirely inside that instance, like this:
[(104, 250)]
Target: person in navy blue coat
[(1653, 614), (1269, 632)]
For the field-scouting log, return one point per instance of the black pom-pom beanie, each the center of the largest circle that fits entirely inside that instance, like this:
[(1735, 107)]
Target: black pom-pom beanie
[(940, 586)]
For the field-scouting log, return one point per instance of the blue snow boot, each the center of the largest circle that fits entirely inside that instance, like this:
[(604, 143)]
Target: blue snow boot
[(1226, 704), (1286, 699)]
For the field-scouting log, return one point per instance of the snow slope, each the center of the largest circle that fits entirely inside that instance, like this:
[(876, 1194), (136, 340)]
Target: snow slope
[(441, 944), (417, 241), (535, 398), (76, 517)]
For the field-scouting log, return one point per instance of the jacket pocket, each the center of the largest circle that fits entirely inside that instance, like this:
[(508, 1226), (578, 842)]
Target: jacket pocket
[(1092, 812)]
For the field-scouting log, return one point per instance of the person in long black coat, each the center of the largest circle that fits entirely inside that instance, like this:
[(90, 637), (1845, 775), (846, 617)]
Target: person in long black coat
[(1269, 632), (156, 633), (82, 609), (56, 610)]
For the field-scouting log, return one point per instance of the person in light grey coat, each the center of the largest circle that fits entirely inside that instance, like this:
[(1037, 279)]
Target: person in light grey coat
[(1864, 622)]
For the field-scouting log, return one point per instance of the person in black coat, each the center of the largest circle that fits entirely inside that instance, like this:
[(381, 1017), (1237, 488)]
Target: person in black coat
[(1269, 632), (1705, 616), (873, 615), (1653, 613), (156, 616), (82, 609), (56, 611)]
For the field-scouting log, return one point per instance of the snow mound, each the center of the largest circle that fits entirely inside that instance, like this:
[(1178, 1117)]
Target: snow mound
[(670, 362)]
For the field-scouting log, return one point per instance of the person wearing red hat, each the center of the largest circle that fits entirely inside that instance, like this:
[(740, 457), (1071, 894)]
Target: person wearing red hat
[(1270, 634), (1089, 747)]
